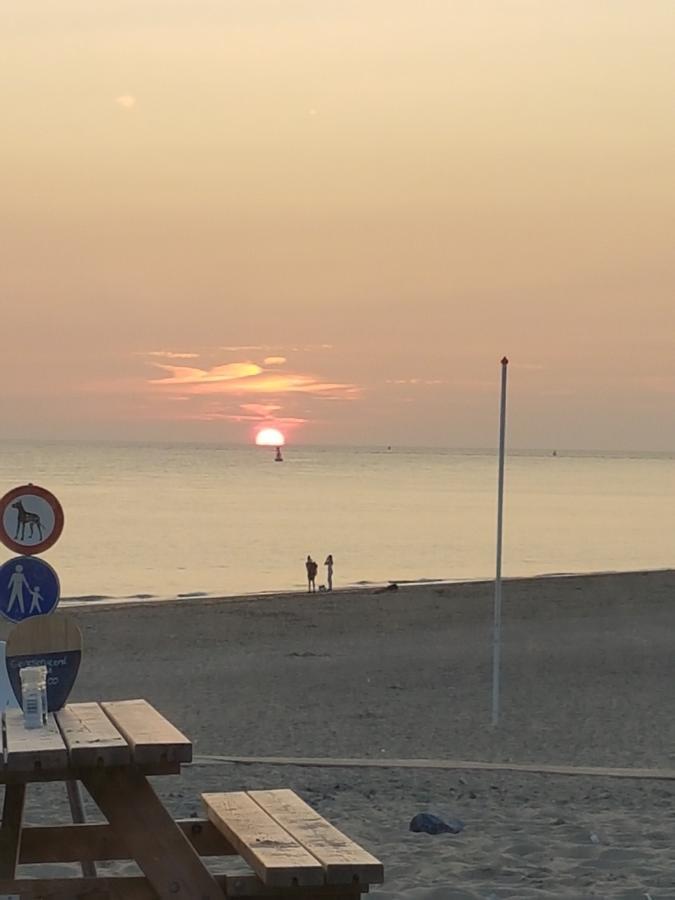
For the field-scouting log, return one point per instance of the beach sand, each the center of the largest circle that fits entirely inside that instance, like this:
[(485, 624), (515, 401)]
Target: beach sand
[(588, 679)]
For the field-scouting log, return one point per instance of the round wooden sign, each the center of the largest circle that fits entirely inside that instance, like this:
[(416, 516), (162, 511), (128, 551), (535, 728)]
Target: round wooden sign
[(31, 519), (51, 641)]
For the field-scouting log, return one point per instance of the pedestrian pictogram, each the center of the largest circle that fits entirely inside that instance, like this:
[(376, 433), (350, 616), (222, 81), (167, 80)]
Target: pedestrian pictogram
[(28, 587), (31, 519)]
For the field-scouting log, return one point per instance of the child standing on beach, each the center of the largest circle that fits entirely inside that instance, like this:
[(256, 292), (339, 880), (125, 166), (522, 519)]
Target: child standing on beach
[(329, 571), (312, 569)]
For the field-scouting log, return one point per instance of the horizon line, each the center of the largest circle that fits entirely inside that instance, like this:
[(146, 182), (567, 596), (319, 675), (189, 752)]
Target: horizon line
[(163, 442)]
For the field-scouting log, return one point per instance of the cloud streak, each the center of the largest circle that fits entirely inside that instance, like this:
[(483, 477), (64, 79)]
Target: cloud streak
[(171, 354), (270, 348), (416, 381), (244, 378), (217, 375), (244, 391)]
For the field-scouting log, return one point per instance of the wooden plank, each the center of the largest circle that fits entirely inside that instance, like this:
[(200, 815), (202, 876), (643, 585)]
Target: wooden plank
[(79, 818), (43, 775), (33, 749), (151, 737), (78, 888), (342, 859), (447, 765), (138, 888), (10, 832), (99, 842), (275, 856), (90, 736), (156, 843)]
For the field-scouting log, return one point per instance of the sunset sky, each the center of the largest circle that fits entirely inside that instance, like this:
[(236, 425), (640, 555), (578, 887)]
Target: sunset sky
[(335, 217)]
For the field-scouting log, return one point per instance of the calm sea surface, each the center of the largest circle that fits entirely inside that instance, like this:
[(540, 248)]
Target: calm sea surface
[(179, 519)]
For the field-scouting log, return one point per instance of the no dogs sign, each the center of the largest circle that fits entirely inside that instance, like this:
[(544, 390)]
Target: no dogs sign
[(31, 519)]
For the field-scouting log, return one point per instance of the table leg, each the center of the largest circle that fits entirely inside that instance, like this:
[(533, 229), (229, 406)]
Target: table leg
[(155, 841), (79, 818), (10, 832)]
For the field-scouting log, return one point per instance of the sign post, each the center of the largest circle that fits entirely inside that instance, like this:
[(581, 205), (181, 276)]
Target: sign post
[(497, 632), (31, 521)]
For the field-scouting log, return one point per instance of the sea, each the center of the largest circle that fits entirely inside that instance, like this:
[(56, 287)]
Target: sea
[(185, 520)]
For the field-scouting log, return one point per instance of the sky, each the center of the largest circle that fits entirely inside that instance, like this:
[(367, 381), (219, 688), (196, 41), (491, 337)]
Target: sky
[(335, 217)]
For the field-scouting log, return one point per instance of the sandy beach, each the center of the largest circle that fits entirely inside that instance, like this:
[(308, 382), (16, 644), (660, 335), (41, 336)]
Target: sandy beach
[(588, 674)]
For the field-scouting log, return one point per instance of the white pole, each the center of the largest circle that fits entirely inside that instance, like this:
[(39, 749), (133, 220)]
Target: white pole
[(497, 634)]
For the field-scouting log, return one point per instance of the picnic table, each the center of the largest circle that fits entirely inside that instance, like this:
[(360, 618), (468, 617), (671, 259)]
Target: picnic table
[(112, 748)]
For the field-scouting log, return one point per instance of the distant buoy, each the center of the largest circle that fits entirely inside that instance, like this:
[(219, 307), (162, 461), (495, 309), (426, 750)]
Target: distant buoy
[(278, 457)]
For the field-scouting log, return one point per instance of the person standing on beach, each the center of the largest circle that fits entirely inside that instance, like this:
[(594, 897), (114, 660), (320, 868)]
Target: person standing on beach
[(312, 569), (329, 571)]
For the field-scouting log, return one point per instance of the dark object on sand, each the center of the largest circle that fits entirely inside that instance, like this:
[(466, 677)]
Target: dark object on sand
[(392, 586), (431, 824)]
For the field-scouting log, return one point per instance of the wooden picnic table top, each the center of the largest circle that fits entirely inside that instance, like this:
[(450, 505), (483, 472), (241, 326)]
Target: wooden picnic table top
[(85, 736), (111, 747)]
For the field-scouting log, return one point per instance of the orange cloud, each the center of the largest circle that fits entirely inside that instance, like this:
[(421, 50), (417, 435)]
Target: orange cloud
[(279, 421), (415, 381), (305, 348), (243, 378), (260, 409), (187, 375), (238, 348), (171, 354), (274, 360)]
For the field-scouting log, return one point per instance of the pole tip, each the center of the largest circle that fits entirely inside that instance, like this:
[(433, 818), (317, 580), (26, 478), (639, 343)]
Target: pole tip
[(505, 361)]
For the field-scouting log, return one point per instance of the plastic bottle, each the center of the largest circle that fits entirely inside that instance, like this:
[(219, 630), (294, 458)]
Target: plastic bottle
[(33, 695), (43, 691)]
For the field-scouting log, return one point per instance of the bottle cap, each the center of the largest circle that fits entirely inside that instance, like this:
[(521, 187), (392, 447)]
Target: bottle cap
[(33, 674)]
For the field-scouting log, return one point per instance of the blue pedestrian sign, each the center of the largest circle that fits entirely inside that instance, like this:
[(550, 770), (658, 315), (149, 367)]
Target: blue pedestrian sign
[(28, 587)]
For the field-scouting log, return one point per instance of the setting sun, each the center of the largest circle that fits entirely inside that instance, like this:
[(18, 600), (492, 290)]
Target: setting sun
[(270, 437)]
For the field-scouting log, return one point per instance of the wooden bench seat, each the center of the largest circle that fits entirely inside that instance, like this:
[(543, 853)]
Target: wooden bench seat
[(288, 844)]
